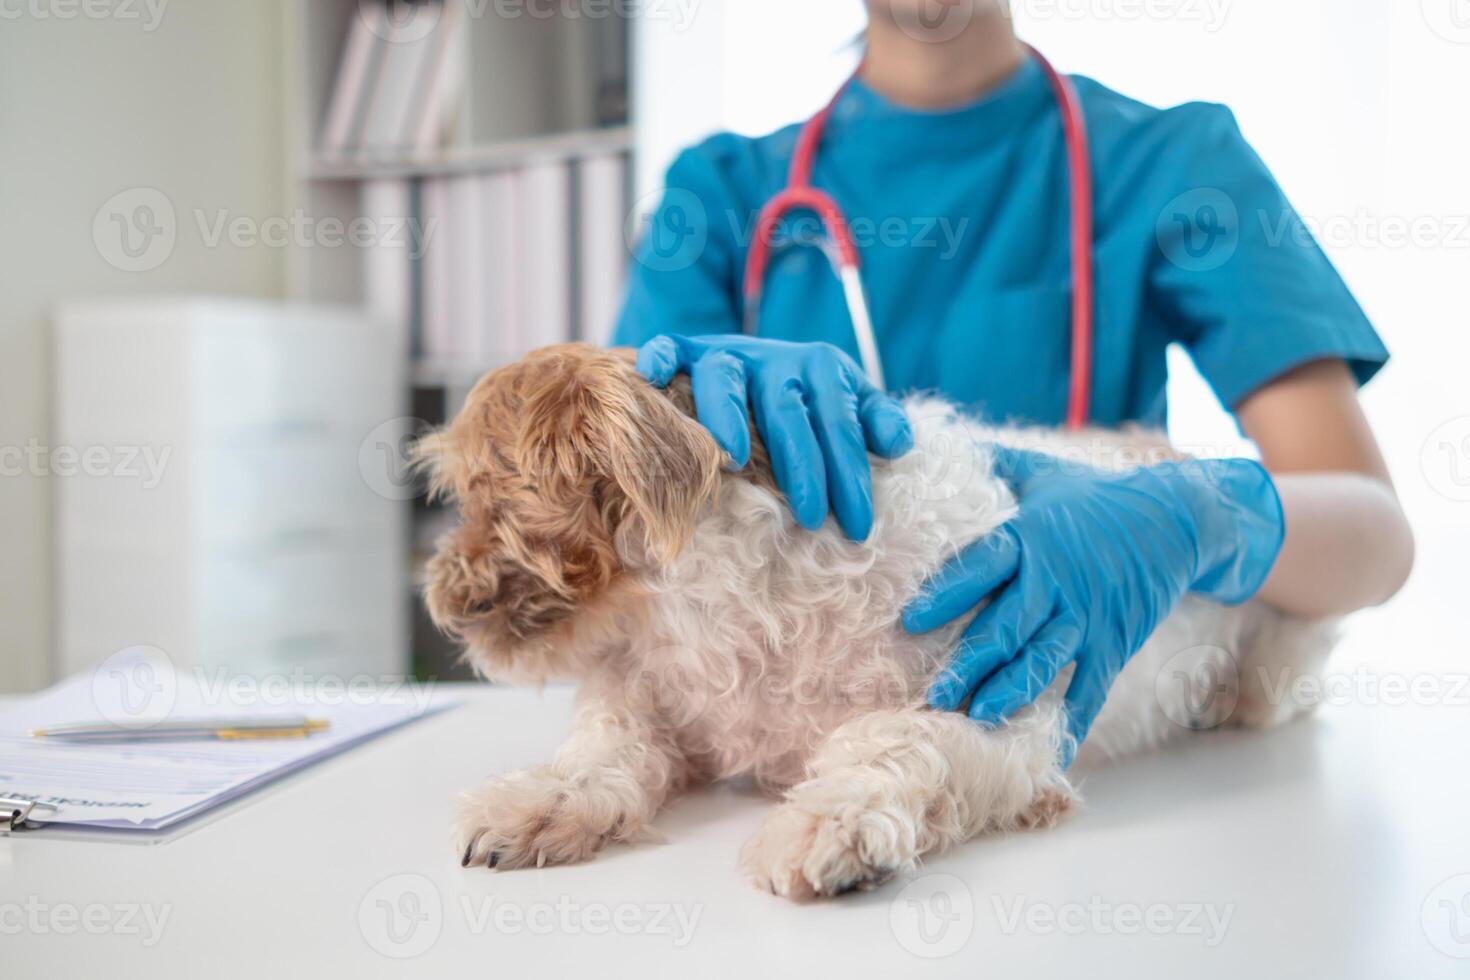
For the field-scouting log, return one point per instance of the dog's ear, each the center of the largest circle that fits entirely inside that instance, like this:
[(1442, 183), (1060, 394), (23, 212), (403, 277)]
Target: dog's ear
[(596, 427), (432, 457)]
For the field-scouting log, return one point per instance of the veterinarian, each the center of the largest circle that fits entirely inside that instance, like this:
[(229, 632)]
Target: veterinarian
[(946, 162)]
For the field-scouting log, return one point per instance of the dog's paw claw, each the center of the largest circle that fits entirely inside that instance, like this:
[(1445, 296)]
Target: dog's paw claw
[(533, 819), (1047, 809), (802, 855), (877, 879)]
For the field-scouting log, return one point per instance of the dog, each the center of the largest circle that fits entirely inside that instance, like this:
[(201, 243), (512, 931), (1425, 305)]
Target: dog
[(604, 538)]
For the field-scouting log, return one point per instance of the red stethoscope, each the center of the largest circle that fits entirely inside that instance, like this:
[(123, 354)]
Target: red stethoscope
[(801, 195)]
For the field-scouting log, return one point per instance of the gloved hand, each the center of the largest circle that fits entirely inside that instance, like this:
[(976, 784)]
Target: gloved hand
[(815, 410), (1090, 565)]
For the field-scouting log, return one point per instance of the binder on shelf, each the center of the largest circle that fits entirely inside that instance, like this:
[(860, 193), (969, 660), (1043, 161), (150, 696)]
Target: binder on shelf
[(393, 107), (519, 259), (356, 75), (442, 86), (500, 236), (478, 141), (437, 341), (388, 273), (602, 255), (425, 83), (468, 289), (546, 251), (423, 77), (524, 77)]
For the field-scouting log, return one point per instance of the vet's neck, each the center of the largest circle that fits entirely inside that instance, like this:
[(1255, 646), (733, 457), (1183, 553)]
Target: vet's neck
[(918, 64)]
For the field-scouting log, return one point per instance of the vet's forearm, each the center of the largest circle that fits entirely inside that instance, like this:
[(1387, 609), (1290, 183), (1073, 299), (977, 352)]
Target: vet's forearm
[(1348, 545)]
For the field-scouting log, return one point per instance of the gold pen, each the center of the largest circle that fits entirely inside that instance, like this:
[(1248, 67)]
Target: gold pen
[(221, 729)]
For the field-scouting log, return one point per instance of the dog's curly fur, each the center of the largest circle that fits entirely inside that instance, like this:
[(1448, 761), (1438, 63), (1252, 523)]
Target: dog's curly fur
[(604, 539)]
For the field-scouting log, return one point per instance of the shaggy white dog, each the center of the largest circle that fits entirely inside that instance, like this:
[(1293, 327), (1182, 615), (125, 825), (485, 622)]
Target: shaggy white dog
[(714, 638)]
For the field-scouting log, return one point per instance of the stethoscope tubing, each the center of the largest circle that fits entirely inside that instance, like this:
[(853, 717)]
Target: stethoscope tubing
[(800, 194)]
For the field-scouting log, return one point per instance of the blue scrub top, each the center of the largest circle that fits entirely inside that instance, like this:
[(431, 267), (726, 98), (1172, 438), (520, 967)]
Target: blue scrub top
[(962, 221)]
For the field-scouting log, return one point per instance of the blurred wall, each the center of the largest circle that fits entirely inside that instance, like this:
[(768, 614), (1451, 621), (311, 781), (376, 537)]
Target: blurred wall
[(750, 66), (99, 102)]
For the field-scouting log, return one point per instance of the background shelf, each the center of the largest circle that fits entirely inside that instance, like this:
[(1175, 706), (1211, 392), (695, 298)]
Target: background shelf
[(508, 155), (545, 104), (452, 374)]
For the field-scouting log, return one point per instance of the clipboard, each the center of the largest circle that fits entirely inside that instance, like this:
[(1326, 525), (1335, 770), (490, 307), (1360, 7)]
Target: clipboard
[(143, 790), (15, 814)]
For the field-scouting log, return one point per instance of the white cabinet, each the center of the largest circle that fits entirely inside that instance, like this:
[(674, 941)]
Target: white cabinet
[(210, 495)]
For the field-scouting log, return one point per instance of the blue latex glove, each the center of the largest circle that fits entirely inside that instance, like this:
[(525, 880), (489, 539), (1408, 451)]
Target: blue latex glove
[(1090, 565), (816, 412)]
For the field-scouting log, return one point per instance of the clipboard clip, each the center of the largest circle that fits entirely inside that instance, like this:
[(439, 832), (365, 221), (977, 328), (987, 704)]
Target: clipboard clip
[(15, 813)]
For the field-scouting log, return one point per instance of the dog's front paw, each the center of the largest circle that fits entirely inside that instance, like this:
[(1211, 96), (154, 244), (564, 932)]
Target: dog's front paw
[(535, 818), (801, 855)]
